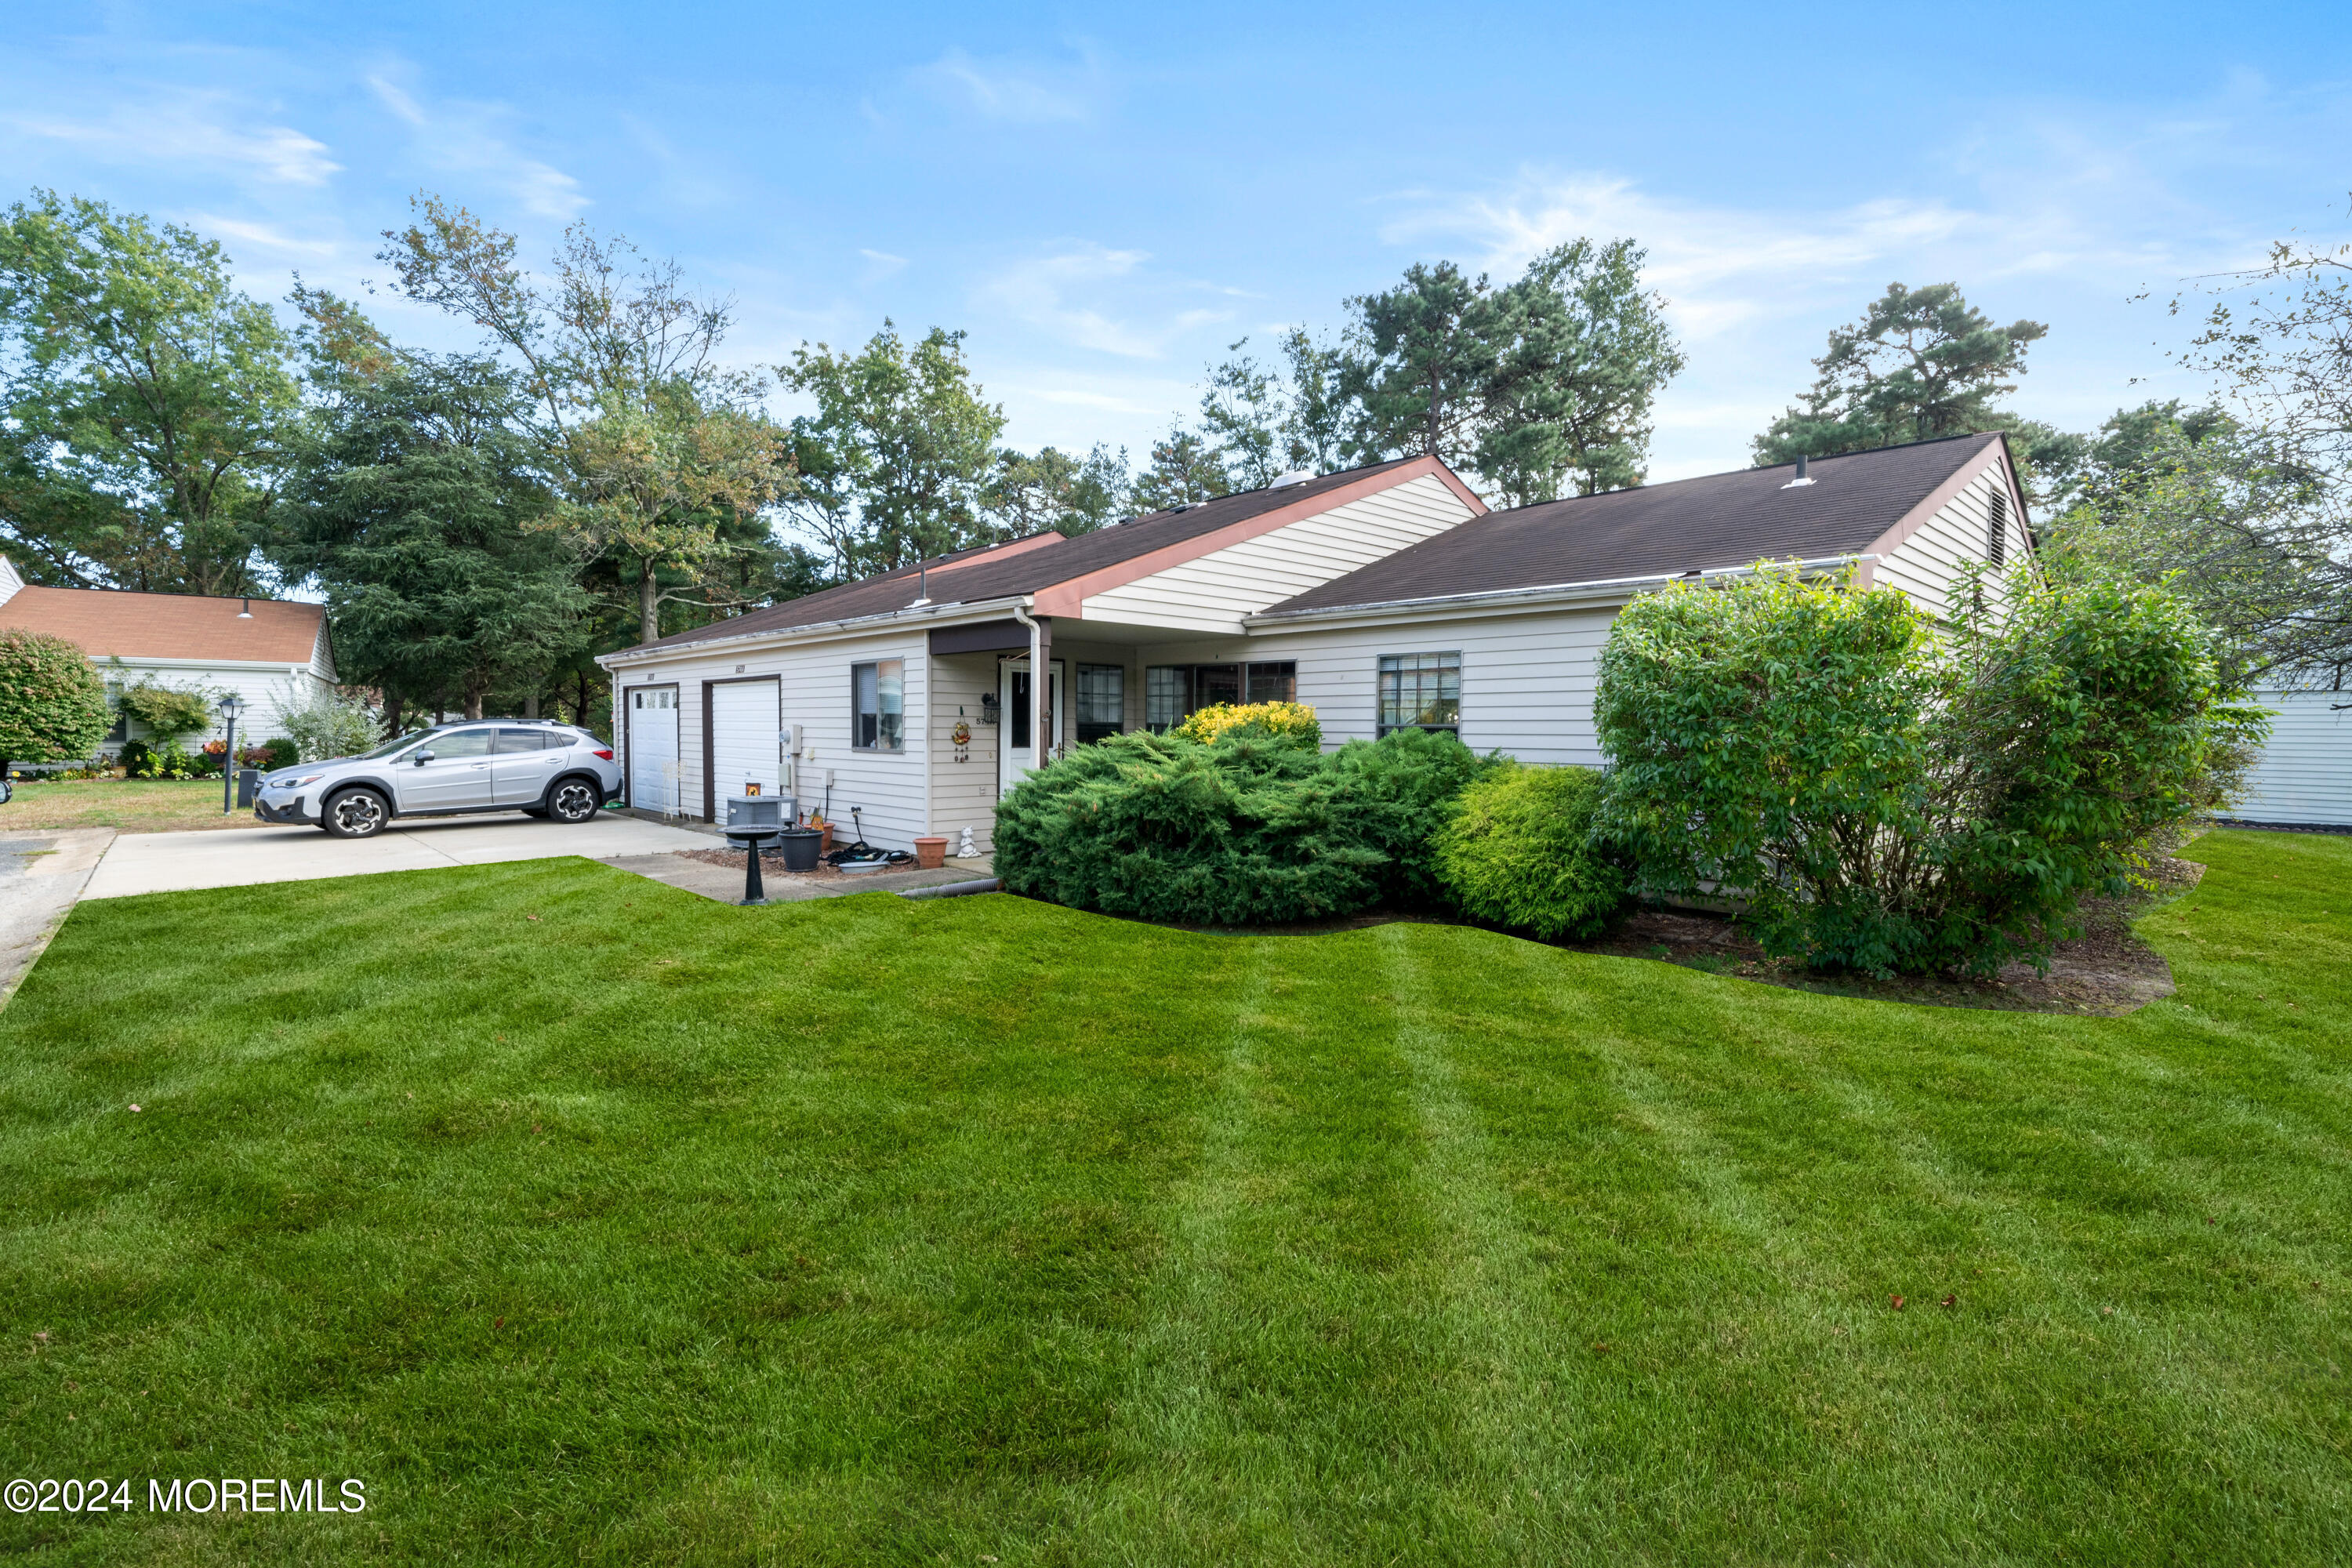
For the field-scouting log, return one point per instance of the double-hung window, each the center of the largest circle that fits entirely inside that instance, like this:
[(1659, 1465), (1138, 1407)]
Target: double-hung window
[(1102, 701), (1420, 691), (877, 705)]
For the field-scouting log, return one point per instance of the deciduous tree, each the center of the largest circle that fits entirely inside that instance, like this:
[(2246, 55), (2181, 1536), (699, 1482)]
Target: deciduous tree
[(894, 464), (147, 401)]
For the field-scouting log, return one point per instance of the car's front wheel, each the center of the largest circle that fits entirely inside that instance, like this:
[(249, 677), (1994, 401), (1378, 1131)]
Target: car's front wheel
[(574, 800), (356, 814)]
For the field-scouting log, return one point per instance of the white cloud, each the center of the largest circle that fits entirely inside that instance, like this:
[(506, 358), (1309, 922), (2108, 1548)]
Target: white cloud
[(262, 235), (1020, 92), (180, 126), (457, 137), (1066, 294), (881, 264)]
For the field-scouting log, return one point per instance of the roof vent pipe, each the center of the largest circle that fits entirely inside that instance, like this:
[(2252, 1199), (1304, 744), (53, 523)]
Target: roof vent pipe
[(244, 608), (922, 584), (1801, 478)]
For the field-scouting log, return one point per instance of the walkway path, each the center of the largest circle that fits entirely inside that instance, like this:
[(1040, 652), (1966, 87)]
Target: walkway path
[(41, 875)]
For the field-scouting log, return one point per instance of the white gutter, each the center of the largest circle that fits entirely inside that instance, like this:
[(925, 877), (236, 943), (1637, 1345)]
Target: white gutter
[(1601, 590), (951, 614)]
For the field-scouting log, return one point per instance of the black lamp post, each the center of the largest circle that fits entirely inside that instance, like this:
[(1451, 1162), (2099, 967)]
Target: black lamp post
[(230, 707)]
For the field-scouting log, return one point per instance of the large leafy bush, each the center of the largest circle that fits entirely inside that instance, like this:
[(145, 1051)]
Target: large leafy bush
[(322, 724), (1886, 795), (1520, 851), (52, 704), (1250, 828), (168, 711)]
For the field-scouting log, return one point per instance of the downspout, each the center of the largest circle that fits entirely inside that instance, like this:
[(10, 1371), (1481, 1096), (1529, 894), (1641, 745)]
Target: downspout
[(1036, 685)]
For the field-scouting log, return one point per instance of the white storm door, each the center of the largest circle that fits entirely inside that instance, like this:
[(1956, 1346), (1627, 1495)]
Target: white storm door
[(653, 748), (1014, 753), (745, 717)]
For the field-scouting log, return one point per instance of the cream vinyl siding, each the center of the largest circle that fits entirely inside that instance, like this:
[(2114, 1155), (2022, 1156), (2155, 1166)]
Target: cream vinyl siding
[(1526, 679), (814, 688), (262, 687), (963, 794), (1214, 592), (1925, 564), (2306, 772)]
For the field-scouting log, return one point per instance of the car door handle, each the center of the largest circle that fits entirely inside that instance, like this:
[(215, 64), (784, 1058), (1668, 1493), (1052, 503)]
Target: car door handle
[(480, 766)]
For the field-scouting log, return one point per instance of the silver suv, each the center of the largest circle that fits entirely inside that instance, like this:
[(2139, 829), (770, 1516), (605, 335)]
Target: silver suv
[(513, 765)]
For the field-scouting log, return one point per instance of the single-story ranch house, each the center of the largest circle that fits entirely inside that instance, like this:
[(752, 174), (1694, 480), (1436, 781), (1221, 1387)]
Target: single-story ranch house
[(1382, 597), (262, 649)]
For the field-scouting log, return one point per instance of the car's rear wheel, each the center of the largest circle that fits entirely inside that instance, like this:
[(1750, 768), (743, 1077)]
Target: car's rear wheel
[(574, 800), (355, 814)]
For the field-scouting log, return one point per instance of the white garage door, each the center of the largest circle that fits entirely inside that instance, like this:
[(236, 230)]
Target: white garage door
[(745, 717), (653, 749)]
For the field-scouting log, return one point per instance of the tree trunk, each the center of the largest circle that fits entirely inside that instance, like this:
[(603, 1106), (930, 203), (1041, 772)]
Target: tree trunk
[(530, 706), (648, 605), (392, 711), (473, 701)]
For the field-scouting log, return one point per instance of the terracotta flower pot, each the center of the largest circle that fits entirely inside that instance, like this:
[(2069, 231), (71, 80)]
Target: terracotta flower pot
[(930, 853)]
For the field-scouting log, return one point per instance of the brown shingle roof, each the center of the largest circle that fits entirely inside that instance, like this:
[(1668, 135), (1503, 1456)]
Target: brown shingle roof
[(1026, 567), (1717, 521), (113, 623)]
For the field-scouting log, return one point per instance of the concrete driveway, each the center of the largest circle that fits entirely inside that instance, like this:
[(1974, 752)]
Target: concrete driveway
[(228, 858)]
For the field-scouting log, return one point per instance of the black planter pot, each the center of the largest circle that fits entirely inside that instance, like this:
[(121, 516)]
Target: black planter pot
[(801, 844)]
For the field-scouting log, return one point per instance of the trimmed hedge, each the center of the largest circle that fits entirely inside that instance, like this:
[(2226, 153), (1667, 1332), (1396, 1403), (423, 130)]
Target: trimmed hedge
[(1251, 828), (1520, 852)]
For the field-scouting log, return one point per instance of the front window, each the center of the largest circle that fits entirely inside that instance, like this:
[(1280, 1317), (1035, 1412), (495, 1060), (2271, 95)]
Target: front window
[(1274, 682), (878, 705), (1166, 695), (1420, 691), (1102, 701)]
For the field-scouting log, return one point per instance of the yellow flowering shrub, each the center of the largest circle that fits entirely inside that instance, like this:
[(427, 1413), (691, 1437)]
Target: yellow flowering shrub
[(1287, 719)]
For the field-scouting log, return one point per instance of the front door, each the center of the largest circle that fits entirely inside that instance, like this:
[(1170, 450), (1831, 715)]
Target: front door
[(1016, 755), (457, 778)]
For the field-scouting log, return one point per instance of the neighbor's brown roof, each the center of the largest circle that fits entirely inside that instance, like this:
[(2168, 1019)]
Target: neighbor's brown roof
[(1688, 525), (1048, 560), (109, 623)]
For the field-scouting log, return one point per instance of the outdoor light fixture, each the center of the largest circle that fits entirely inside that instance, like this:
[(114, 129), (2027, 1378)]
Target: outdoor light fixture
[(230, 707)]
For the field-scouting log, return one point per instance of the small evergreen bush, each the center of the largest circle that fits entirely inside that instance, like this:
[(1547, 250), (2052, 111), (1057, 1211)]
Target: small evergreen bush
[(1520, 852), (1288, 719), (275, 753), (1252, 829), (1400, 792), (168, 711)]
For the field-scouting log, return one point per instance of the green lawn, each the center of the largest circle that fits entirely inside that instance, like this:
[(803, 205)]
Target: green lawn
[(587, 1220), (132, 805)]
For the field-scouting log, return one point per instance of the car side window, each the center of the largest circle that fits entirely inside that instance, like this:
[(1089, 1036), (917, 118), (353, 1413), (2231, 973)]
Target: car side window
[(459, 743), (513, 741)]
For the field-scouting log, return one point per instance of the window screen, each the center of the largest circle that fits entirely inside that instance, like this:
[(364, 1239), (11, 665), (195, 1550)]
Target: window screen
[(1420, 691), (877, 700), (1102, 701)]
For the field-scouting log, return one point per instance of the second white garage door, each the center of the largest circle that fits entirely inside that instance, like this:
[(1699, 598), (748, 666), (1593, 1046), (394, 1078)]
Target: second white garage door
[(745, 717)]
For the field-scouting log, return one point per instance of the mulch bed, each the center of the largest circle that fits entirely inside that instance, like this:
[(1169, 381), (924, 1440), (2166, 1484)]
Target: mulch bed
[(2105, 972)]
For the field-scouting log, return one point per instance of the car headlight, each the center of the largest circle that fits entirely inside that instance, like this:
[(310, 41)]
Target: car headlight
[(288, 781)]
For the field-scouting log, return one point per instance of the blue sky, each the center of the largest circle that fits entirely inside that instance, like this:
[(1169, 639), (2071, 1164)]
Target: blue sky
[(1104, 198)]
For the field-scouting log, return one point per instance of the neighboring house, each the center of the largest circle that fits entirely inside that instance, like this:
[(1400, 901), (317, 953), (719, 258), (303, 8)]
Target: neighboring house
[(2305, 776), (259, 648), (1382, 597)]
